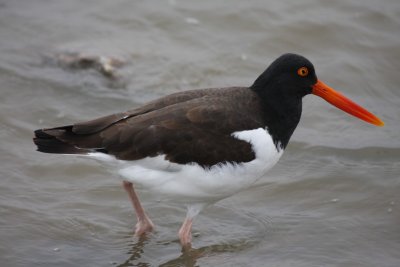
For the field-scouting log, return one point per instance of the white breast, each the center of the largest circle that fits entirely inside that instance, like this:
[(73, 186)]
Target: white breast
[(192, 184)]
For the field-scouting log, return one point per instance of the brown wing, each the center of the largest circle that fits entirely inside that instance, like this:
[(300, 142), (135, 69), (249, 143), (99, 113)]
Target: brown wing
[(197, 130), (96, 125)]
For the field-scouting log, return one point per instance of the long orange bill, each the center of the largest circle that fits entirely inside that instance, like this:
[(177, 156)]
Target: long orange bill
[(345, 104)]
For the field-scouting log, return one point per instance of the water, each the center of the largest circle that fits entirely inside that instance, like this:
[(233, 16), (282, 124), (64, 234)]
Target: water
[(332, 200)]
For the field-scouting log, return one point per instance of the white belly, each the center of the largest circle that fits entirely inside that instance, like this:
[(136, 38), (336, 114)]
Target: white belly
[(189, 184)]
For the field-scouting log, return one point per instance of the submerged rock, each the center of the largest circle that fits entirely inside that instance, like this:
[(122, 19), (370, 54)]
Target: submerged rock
[(105, 65)]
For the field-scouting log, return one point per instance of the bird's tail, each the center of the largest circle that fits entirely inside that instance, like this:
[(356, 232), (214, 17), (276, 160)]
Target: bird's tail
[(60, 140)]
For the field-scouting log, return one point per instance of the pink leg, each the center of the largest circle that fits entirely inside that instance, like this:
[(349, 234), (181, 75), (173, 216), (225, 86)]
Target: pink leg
[(185, 233), (144, 224)]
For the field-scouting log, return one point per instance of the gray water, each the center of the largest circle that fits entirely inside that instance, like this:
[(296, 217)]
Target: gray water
[(332, 200)]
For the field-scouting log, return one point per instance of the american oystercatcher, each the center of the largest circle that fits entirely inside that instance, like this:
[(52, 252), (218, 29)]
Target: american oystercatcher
[(197, 147)]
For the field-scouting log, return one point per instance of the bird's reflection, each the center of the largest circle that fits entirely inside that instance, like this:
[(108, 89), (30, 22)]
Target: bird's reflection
[(135, 253), (188, 258)]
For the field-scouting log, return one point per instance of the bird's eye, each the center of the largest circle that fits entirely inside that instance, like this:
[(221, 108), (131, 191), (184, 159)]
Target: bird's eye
[(303, 71)]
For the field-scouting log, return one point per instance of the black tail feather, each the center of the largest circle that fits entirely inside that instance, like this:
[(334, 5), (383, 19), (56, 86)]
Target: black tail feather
[(48, 143)]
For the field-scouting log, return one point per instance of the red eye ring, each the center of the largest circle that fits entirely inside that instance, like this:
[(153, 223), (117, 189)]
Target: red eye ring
[(303, 71)]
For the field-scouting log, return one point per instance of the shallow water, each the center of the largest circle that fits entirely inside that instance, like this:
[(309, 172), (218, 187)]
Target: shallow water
[(332, 200)]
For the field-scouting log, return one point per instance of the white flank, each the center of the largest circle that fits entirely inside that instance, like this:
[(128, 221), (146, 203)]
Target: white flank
[(191, 184)]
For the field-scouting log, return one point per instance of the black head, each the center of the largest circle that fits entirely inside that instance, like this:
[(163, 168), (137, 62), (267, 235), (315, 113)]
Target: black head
[(290, 75), (281, 88)]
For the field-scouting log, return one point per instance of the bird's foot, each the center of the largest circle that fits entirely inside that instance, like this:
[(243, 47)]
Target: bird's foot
[(186, 242), (186, 239), (185, 233), (144, 226)]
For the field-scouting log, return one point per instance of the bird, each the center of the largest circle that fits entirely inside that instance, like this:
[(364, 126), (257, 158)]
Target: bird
[(196, 147)]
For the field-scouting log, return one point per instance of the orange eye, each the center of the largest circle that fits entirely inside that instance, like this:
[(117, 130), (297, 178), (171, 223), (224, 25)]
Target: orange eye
[(303, 71)]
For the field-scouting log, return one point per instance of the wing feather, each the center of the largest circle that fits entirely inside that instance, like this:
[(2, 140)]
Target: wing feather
[(193, 127)]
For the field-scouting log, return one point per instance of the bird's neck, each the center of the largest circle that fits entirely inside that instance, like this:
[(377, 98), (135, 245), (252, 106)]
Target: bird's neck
[(281, 115)]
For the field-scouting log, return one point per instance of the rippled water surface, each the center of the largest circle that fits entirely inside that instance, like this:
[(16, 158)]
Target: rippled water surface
[(332, 200)]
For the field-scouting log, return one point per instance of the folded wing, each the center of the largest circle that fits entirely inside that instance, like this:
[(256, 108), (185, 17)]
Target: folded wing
[(189, 127)]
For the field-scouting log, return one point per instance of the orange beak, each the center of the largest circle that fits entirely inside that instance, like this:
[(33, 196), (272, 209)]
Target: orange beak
[(345, 104)]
